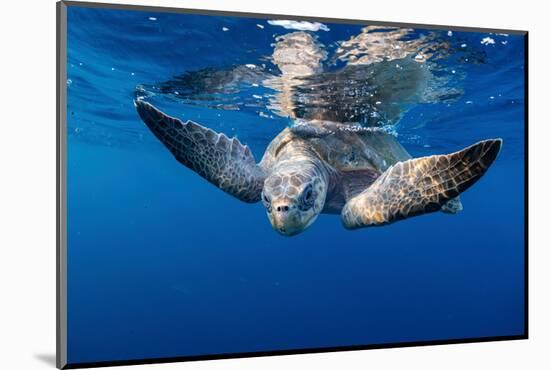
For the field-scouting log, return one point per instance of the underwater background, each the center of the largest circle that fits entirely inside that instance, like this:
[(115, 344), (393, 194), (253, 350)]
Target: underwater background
[(162, 264)]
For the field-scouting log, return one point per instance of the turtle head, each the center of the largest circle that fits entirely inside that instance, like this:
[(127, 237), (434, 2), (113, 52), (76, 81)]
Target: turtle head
[(293, 199)]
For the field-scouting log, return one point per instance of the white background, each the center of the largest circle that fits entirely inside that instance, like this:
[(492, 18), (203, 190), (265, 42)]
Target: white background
[(27, 183)]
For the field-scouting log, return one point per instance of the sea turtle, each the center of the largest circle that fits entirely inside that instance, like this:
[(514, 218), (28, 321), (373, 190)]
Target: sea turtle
[(319, 166)]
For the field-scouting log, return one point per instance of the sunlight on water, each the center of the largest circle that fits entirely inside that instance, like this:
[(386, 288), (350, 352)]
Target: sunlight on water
[(384, 71), (401, 79)]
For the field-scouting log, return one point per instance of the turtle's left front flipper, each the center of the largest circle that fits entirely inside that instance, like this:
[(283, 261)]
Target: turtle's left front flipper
[(419, 186), (224, 162)]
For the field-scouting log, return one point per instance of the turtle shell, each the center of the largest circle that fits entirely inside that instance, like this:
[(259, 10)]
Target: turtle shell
[(343, 147)]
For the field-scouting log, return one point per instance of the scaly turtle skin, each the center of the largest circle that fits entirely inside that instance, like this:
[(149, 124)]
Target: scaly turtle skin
[(324, 167)]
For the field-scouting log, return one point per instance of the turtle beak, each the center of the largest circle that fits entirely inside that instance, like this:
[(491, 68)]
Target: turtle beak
[(288, 220), (287, 232)]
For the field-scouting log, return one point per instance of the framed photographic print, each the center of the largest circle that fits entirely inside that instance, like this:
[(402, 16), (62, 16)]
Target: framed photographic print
[(234, 185)]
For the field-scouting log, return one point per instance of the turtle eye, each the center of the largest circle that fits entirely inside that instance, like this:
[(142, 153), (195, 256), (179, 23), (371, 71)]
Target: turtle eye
[(307, 199), (308, 194), (266, 201)]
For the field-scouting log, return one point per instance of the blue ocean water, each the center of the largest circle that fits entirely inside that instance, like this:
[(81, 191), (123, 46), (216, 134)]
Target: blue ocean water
[(163, 264)]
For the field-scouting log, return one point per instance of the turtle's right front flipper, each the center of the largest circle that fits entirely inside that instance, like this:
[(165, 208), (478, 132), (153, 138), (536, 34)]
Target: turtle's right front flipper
[(417, 186), (222, 161)]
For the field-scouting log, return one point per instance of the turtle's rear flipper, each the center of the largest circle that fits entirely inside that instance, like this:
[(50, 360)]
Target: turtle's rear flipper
[(453, 206), (419, 186), (224, 162)]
